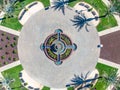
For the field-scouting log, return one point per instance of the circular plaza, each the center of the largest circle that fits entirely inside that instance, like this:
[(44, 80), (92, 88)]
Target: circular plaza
[(52, 50)]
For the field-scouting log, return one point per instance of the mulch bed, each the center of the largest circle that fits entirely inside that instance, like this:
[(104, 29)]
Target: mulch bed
[(111, 47), (8, 48)]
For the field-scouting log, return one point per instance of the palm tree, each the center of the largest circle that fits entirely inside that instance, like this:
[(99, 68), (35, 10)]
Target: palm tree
[(60, 5), (113, 79), (8, 8), (114, 7), (80, 82), (4, 83), (81, 21)]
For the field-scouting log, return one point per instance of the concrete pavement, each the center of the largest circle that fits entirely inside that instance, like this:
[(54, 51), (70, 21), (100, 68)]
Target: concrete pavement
[(108, 31), (9, 66), (5, 29)]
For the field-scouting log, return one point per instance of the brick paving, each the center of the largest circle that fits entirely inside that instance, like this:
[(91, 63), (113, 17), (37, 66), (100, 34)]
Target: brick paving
[(8, 48), (111, 47)]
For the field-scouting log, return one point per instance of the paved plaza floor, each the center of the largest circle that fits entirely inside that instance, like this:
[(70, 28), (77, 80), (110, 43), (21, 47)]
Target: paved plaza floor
[(109, 54), (35, 62)]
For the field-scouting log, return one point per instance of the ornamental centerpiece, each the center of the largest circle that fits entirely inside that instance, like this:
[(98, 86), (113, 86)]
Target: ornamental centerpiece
[(58, 47)]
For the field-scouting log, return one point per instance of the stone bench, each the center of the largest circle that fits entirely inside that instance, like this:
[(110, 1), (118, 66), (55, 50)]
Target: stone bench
[(22, 14), (32, 4), (30, 87), (93, 13)]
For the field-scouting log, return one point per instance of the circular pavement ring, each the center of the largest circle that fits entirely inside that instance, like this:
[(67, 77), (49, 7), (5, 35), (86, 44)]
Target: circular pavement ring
[(34, 60)]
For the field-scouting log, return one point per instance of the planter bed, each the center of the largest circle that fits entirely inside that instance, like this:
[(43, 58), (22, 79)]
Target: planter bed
[(8, 48)]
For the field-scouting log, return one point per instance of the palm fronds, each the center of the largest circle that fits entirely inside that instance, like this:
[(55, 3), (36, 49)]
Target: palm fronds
[(112, 79), (4, 83), (80, 22), (114, 7), (78, 80), (60, 5)]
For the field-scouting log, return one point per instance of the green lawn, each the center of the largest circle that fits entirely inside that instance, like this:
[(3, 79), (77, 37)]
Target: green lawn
[(13, 23), (100, 85), (70, 88), (102, 68), (105, 23), (13, 73), (45, 88)]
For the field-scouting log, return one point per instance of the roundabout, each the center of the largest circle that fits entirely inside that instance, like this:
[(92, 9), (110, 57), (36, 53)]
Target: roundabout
[(51, 50)]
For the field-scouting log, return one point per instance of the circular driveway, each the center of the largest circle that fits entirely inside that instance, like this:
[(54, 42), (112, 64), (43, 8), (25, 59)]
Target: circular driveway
[(37, 64)]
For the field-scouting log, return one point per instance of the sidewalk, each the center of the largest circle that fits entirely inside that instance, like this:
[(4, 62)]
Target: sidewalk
[(51, 2), (106, 2), (110, 64), (9, 66), (9, 30), (1, 15), (58, 89), (107, 31)]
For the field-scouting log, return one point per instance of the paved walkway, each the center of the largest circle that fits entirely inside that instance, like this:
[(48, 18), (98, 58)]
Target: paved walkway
[(9, 30), (1, 76), (108, 31), (30, 11), (9, 66), (106, 2), (110, 63), (1, 15), (51, 2), (58, 89), (118, 19)]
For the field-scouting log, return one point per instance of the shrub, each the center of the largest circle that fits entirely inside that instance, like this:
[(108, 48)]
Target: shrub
[(3, 57), (8, 38), (6, 53), (6, 45), (14, 51), (12, 45), (9, 58), (15, 59), (5, 63), (15, 38), (1, 48), (15, 43), (3, 34), (0, 64), (2, 39)]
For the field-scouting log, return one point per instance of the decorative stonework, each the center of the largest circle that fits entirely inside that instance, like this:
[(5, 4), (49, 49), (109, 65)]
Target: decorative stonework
[(58, 46)]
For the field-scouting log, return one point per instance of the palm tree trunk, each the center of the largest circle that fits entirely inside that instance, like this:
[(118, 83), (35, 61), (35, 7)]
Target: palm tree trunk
[(103, 16), (87, 85)]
